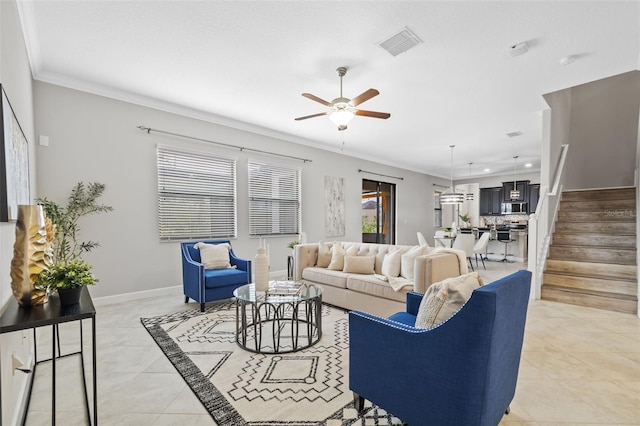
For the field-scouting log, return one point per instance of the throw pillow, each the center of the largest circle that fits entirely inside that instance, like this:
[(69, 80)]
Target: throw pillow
[(359, 264), (443, 299), (337, 257), (391, 263), (408, 260), (324, 255), (214, 256), (352, 250)]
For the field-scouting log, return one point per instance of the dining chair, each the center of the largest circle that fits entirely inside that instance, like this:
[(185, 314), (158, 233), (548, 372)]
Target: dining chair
[(465, 242), (480, 248), (438, 238)]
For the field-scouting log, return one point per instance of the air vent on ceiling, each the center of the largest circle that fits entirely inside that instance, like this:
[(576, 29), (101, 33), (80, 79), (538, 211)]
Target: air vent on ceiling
[(400, 42), (514, 134)]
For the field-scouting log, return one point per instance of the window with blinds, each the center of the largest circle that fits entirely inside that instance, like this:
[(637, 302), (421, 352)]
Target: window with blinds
[(196, 195), (274, 200)]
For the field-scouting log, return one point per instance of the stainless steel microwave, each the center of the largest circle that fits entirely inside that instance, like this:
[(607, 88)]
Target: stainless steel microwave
[(514, 208)]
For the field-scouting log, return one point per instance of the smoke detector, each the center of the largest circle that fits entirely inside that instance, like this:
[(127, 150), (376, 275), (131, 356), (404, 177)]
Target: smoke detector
[(518, 49)]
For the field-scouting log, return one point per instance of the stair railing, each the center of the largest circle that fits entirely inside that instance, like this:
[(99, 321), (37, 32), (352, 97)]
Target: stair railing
[(541, 224)]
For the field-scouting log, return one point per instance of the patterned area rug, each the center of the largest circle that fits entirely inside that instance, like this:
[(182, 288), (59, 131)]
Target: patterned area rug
[(239, 387)]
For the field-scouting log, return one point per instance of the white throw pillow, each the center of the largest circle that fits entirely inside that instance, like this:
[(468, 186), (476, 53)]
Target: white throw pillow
[(337, 257), (391, 263), (408, 261), (443, 299), (324, 255), (359, 264), (352, 250), (214, 256)]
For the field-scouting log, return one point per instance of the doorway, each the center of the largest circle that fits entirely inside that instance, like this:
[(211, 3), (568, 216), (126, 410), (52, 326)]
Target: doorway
[(378, 212)]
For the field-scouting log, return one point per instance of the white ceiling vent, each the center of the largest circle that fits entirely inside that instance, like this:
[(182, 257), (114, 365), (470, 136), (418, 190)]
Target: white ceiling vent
[(514, 134), (400, 42)]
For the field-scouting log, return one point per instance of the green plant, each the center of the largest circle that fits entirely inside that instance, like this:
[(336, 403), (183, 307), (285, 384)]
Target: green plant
[(465, 217), (82, 201), (446, 229), (73, 274), (368, 226), (292, 244)]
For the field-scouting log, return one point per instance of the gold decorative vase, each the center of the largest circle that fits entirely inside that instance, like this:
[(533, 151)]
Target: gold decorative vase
[(31, 255)]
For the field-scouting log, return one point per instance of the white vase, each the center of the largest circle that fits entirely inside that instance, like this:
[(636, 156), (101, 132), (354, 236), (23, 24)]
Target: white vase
[(261, 270)]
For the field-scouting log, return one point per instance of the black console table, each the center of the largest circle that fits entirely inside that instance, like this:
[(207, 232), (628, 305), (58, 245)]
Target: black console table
[(16, 318)]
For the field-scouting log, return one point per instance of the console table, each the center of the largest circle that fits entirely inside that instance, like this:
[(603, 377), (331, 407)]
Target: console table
[(16, 318)]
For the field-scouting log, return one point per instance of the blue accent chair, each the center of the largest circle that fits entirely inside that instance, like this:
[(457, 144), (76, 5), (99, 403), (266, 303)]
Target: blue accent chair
[(461, 372), (206, 285)]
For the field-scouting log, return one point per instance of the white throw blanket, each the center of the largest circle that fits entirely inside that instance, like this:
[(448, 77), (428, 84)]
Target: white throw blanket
[(462, 257)]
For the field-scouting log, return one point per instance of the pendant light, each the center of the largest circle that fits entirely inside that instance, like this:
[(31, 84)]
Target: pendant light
[(450, 196), (514, 194), (469, 196)]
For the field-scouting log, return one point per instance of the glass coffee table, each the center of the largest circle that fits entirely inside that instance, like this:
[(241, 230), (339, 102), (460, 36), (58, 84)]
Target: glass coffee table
[(287, 318)]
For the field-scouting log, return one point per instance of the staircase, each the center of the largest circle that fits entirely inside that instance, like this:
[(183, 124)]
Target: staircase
[(592, 260)]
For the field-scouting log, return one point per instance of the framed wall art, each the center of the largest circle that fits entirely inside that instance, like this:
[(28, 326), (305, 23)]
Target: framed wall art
[(14, 163), (334, 221)]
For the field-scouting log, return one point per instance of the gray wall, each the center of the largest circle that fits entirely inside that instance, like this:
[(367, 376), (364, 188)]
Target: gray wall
[(603, 133), (94, 138), (15, 77)]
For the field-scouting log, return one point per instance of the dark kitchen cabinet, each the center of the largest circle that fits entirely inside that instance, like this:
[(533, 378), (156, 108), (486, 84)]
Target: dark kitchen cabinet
[(490, 201), (521, 185), (534, 196)]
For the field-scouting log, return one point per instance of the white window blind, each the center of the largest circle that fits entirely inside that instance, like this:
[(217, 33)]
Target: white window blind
[(196, 195), (274, 200)]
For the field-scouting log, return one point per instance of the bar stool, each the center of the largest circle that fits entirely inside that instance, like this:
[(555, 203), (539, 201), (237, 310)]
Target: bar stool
[(505, 238)]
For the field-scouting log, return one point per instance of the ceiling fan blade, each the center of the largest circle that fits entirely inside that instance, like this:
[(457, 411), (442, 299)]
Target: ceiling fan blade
[(364, 97), (317, 99), (311, 116), (373, 114)]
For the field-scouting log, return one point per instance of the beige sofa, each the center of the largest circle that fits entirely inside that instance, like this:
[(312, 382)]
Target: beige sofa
[(374, 292)]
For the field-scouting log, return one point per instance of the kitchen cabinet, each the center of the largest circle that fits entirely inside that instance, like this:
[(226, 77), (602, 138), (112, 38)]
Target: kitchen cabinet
[(534, 196), (490, 201), (521, 185)]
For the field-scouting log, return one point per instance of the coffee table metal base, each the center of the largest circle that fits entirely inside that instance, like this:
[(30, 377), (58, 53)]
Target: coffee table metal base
[(278, 325)]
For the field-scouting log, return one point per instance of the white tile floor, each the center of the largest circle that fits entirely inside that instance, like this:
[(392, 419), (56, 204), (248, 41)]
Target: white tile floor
[(580, 366)]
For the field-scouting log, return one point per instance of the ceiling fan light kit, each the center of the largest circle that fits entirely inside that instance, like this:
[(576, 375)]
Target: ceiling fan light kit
[(341, 109)]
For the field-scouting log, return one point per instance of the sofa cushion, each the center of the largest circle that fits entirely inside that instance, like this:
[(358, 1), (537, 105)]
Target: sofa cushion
[(325, 276), (391, 263), (214, 256), (443, 299), (324, 255), (369, 284), (359, 264), (337, 257), (407, 261), (224, 277)]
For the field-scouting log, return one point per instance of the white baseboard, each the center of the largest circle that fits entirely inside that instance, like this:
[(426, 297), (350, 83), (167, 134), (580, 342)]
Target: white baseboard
[(119, 298), (165, 291)]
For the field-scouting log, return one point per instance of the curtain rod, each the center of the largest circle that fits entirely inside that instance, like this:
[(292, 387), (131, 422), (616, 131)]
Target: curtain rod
[(241, 148), (380, 174)]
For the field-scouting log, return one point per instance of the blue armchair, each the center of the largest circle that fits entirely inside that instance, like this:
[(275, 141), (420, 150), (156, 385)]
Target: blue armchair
[(206, 285), (462, 372)]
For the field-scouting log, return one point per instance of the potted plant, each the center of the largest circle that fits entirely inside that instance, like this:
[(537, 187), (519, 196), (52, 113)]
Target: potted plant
[(465, 218), (69, 272), (292, 244)]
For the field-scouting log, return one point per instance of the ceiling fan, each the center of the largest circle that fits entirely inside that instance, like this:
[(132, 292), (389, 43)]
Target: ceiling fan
[(342, 110)]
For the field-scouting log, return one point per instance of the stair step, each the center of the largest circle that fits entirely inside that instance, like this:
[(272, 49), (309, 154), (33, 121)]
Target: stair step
[(591, 284), (591, 269), (611, 206), (606, 240), (601, 301), (593, 254), (617, 216), (620, 228), (600, 194)]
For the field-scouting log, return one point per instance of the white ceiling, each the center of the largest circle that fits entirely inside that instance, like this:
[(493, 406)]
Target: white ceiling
[(246, 63)]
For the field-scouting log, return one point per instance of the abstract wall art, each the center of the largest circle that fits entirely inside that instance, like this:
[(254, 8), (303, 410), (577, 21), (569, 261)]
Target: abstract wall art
[(334, 221)]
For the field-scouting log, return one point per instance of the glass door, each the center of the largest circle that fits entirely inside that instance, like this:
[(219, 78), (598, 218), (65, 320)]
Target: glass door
[(378, 212)]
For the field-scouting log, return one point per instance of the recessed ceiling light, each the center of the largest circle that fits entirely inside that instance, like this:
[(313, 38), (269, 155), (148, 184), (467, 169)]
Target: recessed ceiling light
[(528, 165), (487, 170)]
